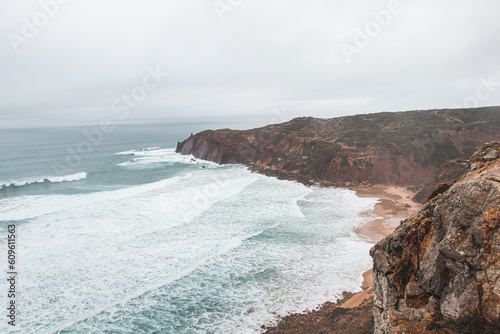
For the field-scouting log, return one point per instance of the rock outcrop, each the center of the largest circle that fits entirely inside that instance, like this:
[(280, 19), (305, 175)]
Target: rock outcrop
[(330, 318), (439, 271), (416, 148)]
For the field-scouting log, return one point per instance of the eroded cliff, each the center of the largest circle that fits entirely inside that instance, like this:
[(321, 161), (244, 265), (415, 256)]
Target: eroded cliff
[(417, 148), (439, 271)]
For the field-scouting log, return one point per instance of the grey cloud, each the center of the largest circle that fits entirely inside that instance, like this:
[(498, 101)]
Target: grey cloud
[(262, 55)]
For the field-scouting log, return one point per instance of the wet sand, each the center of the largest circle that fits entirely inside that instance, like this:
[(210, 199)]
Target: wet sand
[(394, 205), (354, 313)]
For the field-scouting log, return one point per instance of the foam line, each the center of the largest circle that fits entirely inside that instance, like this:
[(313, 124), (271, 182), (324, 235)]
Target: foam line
[(50, 179)]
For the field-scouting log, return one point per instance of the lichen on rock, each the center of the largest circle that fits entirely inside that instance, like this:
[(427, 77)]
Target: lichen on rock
[(442, 265)]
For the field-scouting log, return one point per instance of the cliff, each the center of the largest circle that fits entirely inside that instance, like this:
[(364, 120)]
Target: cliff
[(439, 271), (416, 148)]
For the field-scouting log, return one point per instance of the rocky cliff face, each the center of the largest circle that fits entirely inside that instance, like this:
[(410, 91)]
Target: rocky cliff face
[(418, 148), (441, 267)]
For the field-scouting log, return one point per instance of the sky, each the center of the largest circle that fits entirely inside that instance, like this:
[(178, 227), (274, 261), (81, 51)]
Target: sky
[(66, 62)]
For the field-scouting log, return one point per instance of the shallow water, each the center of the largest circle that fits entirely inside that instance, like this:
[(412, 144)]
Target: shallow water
[(139, 239)]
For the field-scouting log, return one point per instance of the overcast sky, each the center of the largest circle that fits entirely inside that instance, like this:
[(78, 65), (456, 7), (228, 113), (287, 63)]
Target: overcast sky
[(76, 62)]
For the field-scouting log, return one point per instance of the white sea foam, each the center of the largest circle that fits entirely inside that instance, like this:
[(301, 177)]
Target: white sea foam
[(129, 152), (220, 250), (134, 152), (153, 156), (134, 234), (50, 179)]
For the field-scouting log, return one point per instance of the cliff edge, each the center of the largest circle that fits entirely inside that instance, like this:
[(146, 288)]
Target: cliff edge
[(414, 148), (439, 271)]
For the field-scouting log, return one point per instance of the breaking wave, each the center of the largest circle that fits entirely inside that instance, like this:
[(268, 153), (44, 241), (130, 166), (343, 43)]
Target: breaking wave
[(49, 179)]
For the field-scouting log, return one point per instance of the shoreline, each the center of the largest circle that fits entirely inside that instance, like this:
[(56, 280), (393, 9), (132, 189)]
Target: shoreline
[(394, 205), (353, 313)]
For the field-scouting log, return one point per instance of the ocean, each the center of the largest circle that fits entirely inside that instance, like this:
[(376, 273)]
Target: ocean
[(117, 233)]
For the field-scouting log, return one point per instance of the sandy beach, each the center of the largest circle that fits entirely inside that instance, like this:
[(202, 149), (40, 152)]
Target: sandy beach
[(395, 204), (355, 310)]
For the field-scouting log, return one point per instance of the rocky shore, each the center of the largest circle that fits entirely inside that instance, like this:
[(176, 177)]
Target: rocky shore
[(331, 318), (416, 149), (436, 269), (438, 272), (440, 269)]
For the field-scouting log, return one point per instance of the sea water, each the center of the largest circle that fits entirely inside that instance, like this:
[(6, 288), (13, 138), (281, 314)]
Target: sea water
[(126, 236)]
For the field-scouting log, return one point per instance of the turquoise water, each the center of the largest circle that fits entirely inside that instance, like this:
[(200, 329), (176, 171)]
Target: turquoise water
[(134, 238)]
